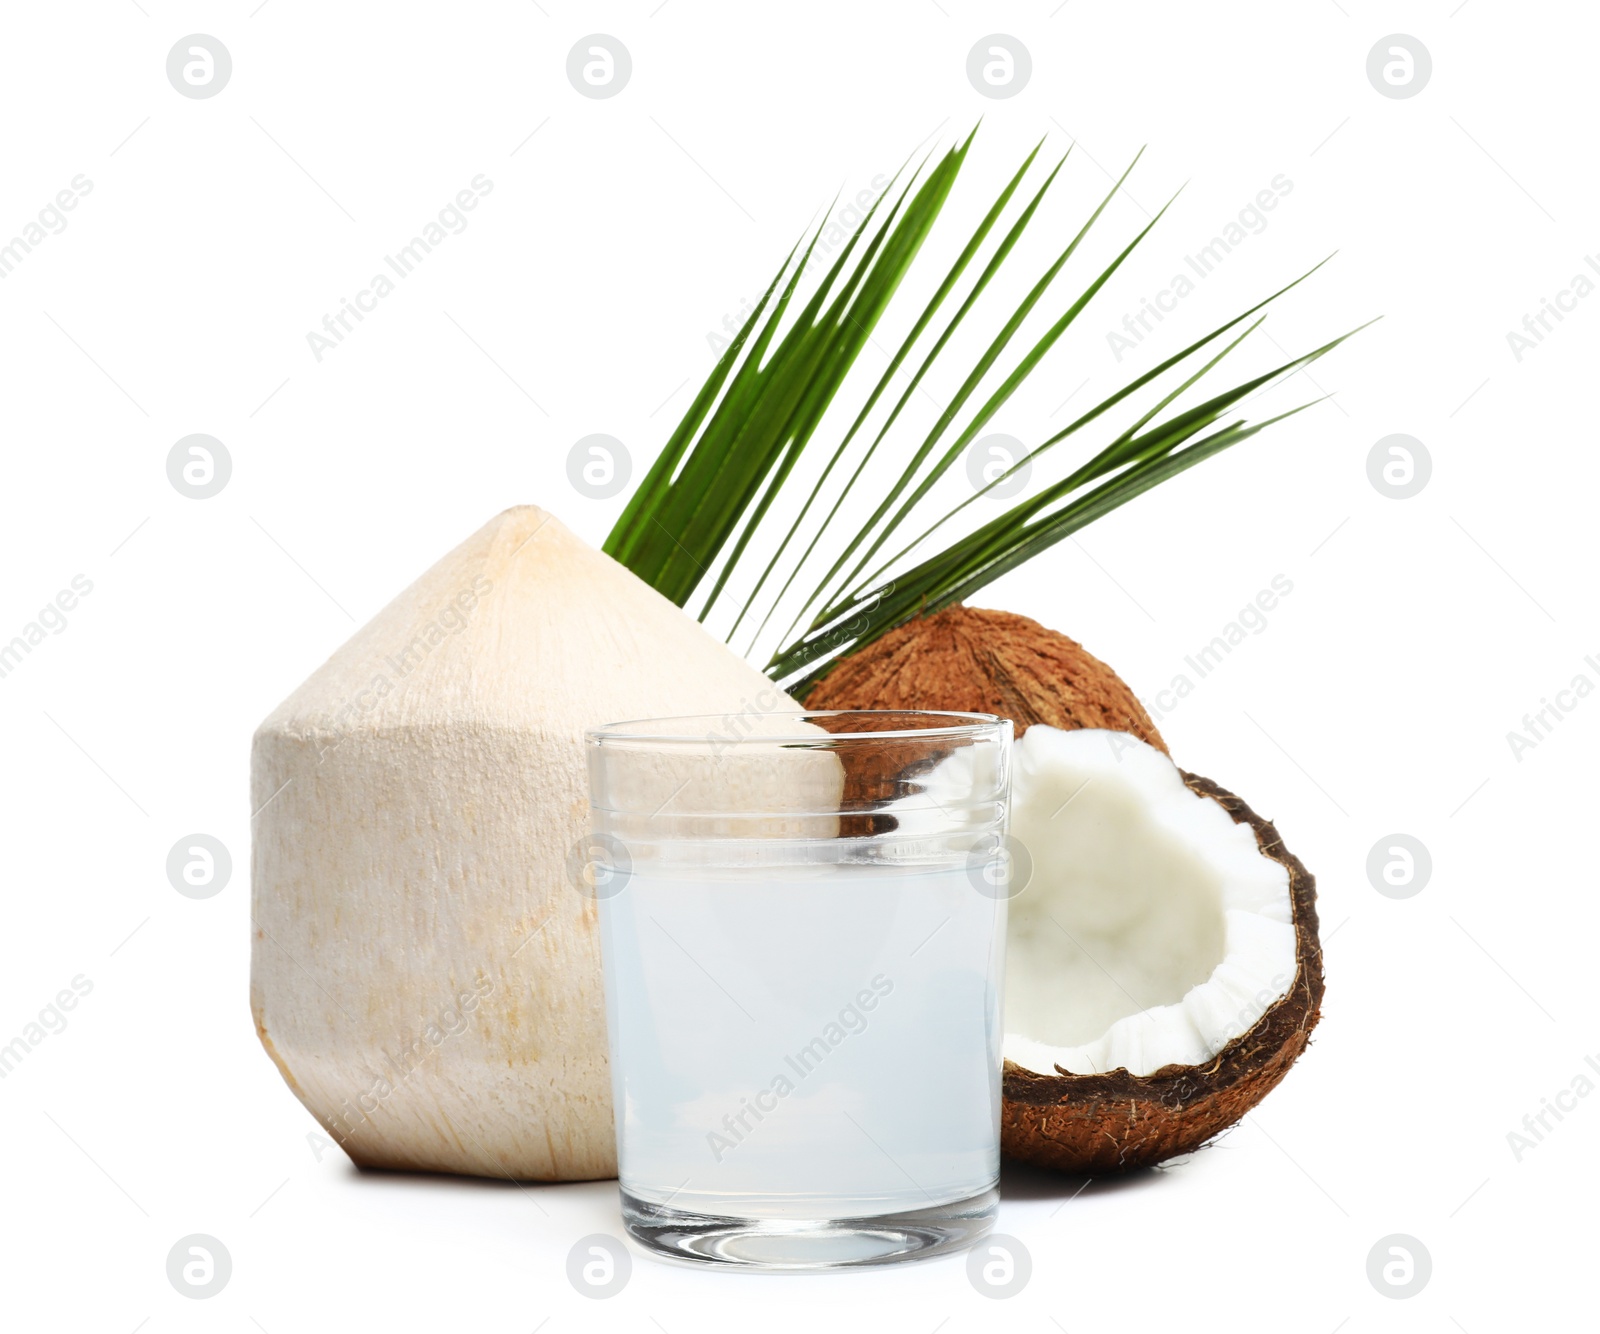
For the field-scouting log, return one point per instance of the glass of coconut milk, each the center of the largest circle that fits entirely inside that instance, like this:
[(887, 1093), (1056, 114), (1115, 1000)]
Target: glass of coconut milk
[(802, 922)]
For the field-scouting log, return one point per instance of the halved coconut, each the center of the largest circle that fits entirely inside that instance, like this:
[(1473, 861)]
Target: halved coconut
[(1163, 970)]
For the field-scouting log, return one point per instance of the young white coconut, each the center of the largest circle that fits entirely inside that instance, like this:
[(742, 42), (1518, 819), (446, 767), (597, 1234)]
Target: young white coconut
[(424, 971), (1163, 970)]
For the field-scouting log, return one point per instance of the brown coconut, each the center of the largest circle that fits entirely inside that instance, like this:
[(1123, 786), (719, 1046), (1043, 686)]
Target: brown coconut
[(974, 660)]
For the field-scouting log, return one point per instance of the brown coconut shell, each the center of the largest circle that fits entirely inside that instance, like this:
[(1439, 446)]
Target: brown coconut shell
[(879, 772), (977, 661), (1102, 1124)]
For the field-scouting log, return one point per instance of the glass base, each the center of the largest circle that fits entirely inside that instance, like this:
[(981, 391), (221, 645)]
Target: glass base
[(788, 1244)]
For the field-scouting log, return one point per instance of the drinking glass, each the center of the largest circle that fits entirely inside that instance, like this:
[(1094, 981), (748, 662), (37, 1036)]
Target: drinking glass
[(802, 922)]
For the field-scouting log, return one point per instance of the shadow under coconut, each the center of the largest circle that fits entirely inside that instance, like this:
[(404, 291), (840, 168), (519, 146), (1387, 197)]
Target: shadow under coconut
[(1023, 1181), (389, 1178)]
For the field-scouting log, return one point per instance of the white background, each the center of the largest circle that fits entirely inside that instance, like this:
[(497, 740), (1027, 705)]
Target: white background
[(1378, 700)]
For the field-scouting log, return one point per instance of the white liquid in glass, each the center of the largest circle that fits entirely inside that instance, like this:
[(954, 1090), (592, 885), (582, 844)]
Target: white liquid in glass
[(814, 1042)]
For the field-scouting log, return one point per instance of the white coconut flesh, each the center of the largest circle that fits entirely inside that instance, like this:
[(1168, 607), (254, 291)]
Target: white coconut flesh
[(1152, 931)]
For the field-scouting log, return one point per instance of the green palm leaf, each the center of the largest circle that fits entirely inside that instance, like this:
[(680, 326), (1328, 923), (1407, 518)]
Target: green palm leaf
[(738, 450)]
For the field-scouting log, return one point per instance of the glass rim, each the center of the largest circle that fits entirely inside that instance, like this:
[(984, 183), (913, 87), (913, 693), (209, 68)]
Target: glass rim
[(635, 729)]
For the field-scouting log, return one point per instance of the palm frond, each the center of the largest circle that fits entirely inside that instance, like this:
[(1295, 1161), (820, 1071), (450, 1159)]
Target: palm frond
[(738, 450)]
